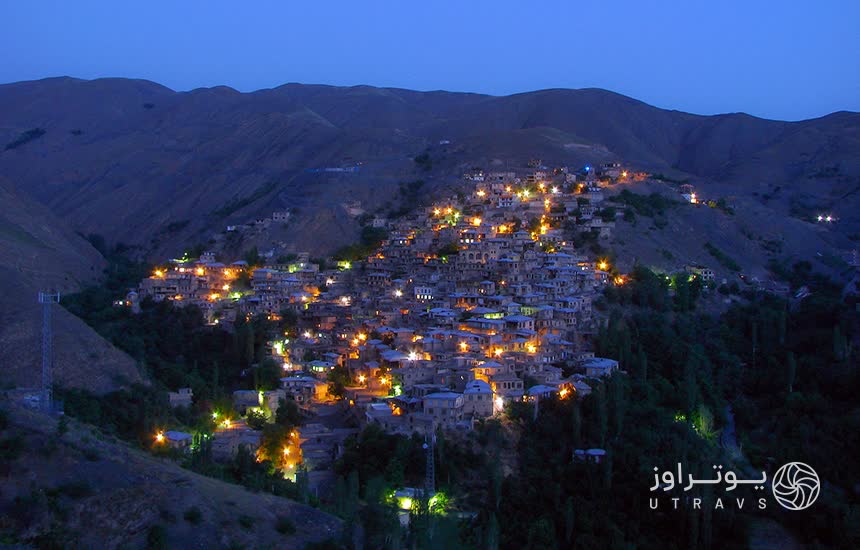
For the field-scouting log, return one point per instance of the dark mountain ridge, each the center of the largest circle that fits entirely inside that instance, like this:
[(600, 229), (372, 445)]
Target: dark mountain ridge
[(128, 158)]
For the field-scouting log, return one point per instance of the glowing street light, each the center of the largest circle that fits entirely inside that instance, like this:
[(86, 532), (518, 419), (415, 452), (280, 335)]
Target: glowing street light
[(159, 437), (464, 346), (602, 265), (398, 293), (361, 379)]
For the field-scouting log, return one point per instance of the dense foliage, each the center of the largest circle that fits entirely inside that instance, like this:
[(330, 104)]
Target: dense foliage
[(782, 372)]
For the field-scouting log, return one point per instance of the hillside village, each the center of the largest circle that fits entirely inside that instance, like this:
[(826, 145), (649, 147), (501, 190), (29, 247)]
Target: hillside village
[(467, 304)]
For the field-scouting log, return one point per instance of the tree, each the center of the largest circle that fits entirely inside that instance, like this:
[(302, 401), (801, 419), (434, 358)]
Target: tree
[(449, 249), (253, 257), (267, 375), (491, 537), (602, 413), (338, 378), (642, 360), (840, 344), (617, 403), (542, 535), (256, 419), (576, 417), (690, 389), (790, 371), (569, 521), (288, 413)]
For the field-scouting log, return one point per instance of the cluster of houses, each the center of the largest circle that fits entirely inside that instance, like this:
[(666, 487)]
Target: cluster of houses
[(473, 302)]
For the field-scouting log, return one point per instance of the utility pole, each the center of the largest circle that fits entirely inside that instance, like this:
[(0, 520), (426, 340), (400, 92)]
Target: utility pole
[(47, 299)]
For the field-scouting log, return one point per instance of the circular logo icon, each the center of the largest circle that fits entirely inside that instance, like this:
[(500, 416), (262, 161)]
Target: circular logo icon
[(796, 486)]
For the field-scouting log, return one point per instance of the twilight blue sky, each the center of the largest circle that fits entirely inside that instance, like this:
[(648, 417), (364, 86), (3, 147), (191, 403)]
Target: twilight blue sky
[(787, 59)]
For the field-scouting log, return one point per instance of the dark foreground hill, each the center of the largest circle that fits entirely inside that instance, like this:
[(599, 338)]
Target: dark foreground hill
[(142, 164), (83, 489)]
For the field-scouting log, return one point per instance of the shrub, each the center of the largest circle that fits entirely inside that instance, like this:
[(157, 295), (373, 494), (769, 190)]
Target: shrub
[(285, 525), (651, 205), (722, 257), (25, 137), (75, 489), (62, 426), (193, 515), (424, 162), (246, 521), (156, 539)]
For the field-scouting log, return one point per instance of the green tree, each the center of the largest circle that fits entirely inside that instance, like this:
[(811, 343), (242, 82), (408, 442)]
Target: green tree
[(576, 421), (253, 257), (288, 413), (542, 535), (491, 537), (256, 419), (790, 370), (338, 378), (690, 389), (569, 521), (602, 414)]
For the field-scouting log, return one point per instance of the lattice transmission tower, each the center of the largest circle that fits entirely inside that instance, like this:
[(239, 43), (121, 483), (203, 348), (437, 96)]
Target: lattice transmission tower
[(47, 299)]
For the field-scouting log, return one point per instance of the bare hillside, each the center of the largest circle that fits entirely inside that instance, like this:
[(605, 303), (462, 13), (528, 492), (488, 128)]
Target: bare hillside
[(37, 252)]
